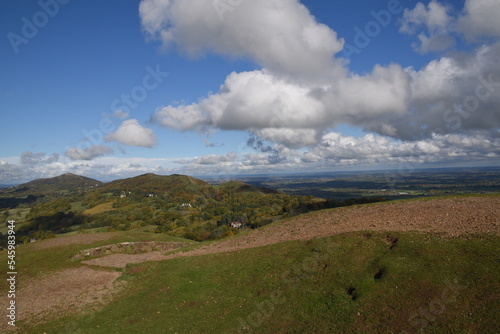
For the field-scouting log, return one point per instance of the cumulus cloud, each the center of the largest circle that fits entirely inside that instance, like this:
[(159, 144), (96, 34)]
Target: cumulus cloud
[(436, 25), (480, 18), (302, 91), (337, 150), (435, 20), (120, 114), (293, 138), (30, 158), (277, 34), (290, 113), (92, 152), (272, 155), (132, 133), (374, 150), (392, 101), (210, 159)]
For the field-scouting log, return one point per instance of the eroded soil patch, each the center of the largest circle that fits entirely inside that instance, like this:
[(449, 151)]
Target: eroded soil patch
[(66, 291)]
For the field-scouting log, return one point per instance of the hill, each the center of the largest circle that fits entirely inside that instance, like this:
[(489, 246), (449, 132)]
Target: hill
[(398, 267), (241, 187), (158, 185), (187, 207), (179, 205), (48, 188), (65, 183)]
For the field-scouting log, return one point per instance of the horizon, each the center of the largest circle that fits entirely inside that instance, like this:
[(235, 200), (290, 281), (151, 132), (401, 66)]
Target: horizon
[(217, 178), (218, 90)]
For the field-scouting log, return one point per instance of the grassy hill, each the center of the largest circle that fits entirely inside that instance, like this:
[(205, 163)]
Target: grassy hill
[(63, 184), (50, 188), (401, 267), (159, 184), (241, 187)]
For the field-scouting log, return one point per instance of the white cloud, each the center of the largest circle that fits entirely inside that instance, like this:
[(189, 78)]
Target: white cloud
[(290, 113), (132, 133), (92, 152), (278, 105), (396, 102), (334, 150), (100, 168), (436, 21), (210, 159), (277, 34), (434, 16), (293, 138), (292, 104), (120, 114), (338, 149), (30, 158), (480, 18)]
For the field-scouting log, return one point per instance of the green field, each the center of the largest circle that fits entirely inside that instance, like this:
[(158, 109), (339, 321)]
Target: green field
[(363, 282)]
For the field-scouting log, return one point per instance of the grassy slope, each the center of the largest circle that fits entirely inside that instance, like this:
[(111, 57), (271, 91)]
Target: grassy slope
[(351, 283), (33, 262)]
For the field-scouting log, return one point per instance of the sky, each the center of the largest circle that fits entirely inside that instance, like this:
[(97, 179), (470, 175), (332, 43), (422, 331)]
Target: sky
[(219, 88)]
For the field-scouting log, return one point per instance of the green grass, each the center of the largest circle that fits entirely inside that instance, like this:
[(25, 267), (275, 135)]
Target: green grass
[(19, 215), (77, 206), (108, 206), (31, 262), (362, 282)]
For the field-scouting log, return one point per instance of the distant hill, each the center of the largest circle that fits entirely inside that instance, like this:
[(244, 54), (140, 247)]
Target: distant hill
[(62, 184), (241, 187), (158, 185)]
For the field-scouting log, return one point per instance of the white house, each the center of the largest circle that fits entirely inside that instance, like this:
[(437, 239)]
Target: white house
[(236, 224)]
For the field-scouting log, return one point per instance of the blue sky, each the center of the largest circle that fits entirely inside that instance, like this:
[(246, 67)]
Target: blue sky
[(245, 86)]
